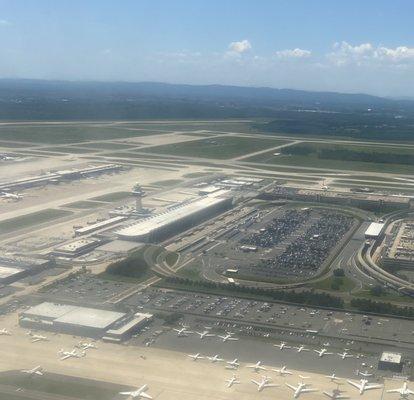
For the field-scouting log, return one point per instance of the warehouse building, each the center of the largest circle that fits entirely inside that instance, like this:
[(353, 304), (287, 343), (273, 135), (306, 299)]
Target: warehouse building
[(175, 219), (390, 362), (374, 230), (13, 269), (82, 321)]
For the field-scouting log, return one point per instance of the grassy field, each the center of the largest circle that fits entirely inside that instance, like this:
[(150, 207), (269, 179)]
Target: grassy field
[(219, 148), (59, 386), (28, 220), (167, 182), (61, 134), (83, 205), (68, 149), (110, 197), (344, 284), (312, 160)]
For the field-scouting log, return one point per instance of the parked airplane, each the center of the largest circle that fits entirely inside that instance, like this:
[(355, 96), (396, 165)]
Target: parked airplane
[(8, 195), (332, 377), (322, 352), (68, 354), (37, 338), (138, 393), (365, 374), (233, 364), (205, 334), (195, 357), (34, 371), (404, 391), (86, 346), (4, 331), (301, 348), (364, 385), (215, 358), (345, 355), (257, 367), (283, 371), (282, 346), (182, 332), (300, 388), (264, 383), (232, 381), (335, 395), (228, 337)]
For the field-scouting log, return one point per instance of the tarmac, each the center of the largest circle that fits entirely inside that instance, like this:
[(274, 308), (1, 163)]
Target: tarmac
[(170, 375)]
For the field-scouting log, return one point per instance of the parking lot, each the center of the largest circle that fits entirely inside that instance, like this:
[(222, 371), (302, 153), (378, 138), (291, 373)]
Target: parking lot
[(279, 243), (258, 318)]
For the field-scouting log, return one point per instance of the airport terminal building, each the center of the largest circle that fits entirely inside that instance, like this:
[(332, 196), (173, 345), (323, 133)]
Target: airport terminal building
[(83, 321), (174, 220)]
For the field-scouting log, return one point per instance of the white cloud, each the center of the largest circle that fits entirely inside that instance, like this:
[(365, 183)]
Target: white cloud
[(240, 47), (366, 53), (4, 22), (293, 53)]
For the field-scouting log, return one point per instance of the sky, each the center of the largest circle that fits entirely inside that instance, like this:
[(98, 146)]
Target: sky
[(357, 46)]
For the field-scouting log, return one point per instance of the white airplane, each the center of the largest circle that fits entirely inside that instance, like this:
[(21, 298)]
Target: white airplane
[(364, 385), (215, 358), (232, 381), (138, 393), (257, 367), (34, 371), (86, 346), (403, 391), (301, 348), (345, 355), (322, 352), (227, 337), (182, 332), (301, 388), (205, 334), (332, 378), (233, 364), (365, 374), (195, 357), (37, 338), (335, 395), (8, 195), (283, 371), (68, 354), (264, 383), (282, 346), (4, 331)]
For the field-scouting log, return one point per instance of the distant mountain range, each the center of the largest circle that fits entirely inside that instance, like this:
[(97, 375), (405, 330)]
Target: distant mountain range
[(41, 99)]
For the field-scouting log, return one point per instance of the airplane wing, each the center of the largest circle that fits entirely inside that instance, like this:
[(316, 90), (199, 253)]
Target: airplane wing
[(355, 384), (126, 393), (372, 386), (256, 383), (233, 338), (291, 386), (307, 390), (35, 340), (145, 396), (270, 385), (65, 357), (39, 373)]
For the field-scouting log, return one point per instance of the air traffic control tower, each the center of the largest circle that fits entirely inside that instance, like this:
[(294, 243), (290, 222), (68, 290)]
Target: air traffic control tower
[(138, 193)]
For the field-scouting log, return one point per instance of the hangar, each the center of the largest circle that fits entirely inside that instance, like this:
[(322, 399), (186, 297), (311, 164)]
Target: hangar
[(81, 321)]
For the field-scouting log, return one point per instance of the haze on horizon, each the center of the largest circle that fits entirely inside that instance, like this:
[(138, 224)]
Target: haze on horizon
[(350, 46)]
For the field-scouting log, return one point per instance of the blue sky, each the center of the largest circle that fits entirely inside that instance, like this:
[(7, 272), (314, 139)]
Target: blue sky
[(337, 45)]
